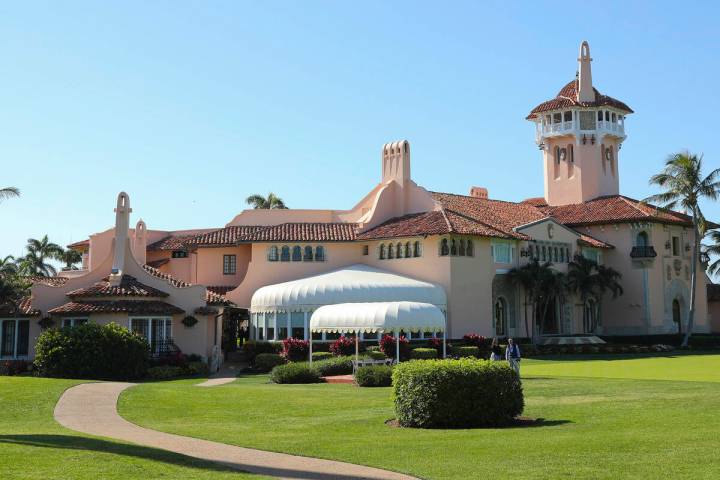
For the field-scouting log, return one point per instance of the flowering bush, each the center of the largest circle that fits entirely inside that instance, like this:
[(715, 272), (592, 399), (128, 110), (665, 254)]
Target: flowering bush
[(475, 340), (387, 346), (343, 346), (295, 350), (437, 344)]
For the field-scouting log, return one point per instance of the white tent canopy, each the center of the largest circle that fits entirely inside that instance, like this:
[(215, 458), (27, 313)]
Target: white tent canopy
[(352, 284), (378, 317)]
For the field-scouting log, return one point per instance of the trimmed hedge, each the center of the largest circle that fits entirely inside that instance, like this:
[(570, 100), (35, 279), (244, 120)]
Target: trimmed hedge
[(317, 356), (424, 353), (166, 371), (374, 376), (456, 393), (334, 366), (254, 348), (465, 351), (299, 372), (100, 352), (374, 354), (267, 361)]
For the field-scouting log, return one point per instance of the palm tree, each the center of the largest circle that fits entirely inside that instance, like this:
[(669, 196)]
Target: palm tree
[(8, 265), (69, 257), (9, 192), (12, 289), (530, 277), (684, 186), (713, 249), (589, 281), (38, 252), (551, 285), (270, 203)]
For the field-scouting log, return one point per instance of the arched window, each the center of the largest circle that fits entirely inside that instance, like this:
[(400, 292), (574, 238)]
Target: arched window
[(500, 317), (417, 249), (400, 253), (308, 254), (285, 254), (273, 254), (642, 239), (319, 253), (462, 248), (382, 253), (408, 250), (444, 249), (470, 249), (453, 247), (296, 253), (391, 251)]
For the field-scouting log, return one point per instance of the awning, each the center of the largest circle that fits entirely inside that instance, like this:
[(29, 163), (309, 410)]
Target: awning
[(353, 284), (378, 317)]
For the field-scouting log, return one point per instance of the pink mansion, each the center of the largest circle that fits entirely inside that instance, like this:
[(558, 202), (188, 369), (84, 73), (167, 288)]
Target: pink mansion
[(399, 242)]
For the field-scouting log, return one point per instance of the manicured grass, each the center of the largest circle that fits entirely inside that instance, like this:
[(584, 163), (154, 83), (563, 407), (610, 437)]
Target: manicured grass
[(636, 418), (34, 446)]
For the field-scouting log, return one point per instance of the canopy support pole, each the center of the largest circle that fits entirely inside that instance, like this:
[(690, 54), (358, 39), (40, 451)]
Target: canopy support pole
[(310, 348), (397, 347), (445, 337), (357, 350)]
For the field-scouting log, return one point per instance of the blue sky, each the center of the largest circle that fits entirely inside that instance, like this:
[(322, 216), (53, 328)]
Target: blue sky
[(192, 106)]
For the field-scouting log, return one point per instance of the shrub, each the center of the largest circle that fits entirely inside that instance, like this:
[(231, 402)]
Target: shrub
[(374, 354), (13, 367), (103, 352), (295, 350), (334, 366), (299, 372), (165, 371), (475, 340), (465, 351), (374, 376), (388, 346), (317, 356), (253, 349), (197, 368), (343, 346), (267, 361), (437, 344), (456, 393), (424, 353), (373, 348)]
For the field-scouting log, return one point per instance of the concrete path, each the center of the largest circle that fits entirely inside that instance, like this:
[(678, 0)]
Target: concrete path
[(92, 408), (227, 374)]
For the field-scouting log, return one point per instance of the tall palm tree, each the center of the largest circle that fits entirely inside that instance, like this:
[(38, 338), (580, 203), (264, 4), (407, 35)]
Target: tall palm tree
[(9, 192), (683, 186), (8, 266), (589, 281), (713, 249), (552, 284), (270, 202), (530, 277), (69, 257), (38, 252)]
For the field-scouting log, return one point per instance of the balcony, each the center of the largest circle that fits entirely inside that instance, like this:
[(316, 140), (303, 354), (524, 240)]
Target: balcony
[(643, 252)]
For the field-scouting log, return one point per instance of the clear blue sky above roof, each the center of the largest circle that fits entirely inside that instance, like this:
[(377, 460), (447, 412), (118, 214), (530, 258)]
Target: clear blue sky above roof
[(190, 107)]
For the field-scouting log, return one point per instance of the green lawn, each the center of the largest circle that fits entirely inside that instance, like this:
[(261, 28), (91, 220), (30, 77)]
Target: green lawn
[(34, 446), (651, 417)]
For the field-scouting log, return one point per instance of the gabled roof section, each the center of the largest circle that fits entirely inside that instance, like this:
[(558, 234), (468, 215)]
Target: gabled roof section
[(225, 237), (285, 232), (50, 281), (568, 97), (24, 309), (128, 287), (613, 209), (211, 297), (147, 307), (588, 241)]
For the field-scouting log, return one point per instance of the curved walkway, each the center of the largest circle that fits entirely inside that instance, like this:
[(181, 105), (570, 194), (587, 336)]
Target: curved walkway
[(92, 408), (227, 374)]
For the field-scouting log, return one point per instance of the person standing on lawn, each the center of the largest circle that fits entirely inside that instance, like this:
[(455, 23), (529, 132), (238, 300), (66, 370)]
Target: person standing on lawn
[(512, 355), (495, 350)]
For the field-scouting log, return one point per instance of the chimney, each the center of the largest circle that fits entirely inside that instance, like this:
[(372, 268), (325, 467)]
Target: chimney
[(140, 249), (478, 192), (396, 162), (122, 223), (585, 88)]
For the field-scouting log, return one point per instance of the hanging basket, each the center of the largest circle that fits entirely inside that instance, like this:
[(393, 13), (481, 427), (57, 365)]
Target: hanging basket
[(189, 321)]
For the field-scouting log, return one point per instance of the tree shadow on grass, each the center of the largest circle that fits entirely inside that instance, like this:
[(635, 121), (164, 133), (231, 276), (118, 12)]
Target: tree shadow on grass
[(70, 442)]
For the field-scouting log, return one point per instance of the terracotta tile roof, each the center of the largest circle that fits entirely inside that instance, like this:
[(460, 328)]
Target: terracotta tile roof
[(568, 97), (221, 289), (49, 281), (211, 298), (206, 311), (613, 209), (536, 201), (158, 263), (588, 241), (24, 309), (304, 232), (147, 307), (713, 292), (81, 245), (129, 287), (225, 237), (172, 242)]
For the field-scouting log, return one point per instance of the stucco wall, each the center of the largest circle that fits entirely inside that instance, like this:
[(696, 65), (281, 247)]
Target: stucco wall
[(209, 265)]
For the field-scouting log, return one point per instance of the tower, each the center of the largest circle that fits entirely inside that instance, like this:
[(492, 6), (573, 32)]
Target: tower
[(122, 223), (580, 133)]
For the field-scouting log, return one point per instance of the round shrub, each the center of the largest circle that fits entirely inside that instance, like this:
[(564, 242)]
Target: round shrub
[(424, 353), (456, 393), (388, 345), (374, 376), (299, 372), (101, 352), (317, 356), (295, 350), (466, 351), (267, 361), (334, 366)]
